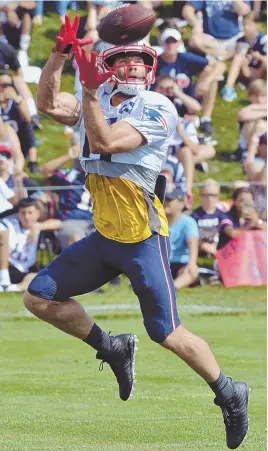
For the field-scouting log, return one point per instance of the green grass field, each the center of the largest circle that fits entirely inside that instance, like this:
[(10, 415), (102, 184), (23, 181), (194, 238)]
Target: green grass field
[(54, 398)]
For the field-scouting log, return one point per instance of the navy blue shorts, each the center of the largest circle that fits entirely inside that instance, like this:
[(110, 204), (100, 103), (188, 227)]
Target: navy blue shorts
[(95, 260)]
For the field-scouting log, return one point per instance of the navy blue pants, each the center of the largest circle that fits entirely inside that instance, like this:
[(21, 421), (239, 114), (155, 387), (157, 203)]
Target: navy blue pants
[(95, 260)]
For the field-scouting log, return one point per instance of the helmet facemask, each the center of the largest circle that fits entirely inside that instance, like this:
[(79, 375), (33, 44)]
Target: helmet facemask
[(129, 85)]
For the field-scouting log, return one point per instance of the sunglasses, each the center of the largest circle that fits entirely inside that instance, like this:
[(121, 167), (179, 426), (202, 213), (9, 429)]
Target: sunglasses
[(6, 85), (209, 195), (170, 40)]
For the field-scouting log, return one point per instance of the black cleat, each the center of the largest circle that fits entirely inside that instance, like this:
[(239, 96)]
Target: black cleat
[(121, 359), (235, 415)]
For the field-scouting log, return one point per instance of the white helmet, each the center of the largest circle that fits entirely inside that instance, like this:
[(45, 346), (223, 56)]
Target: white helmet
[(129, 86)]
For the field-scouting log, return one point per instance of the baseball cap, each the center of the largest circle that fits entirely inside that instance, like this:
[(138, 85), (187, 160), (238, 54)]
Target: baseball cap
[(170, 33), (6, 151), (175, 193)]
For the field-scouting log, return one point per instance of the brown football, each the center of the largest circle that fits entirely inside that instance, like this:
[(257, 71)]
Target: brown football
[(125, 24)]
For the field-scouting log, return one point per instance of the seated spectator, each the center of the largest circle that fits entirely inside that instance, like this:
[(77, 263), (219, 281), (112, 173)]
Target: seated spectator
[(72, 206), (184, 103), (191, 149), (18, 241), (255, 167), (61, 7), (9, 138), (208, 217), (183, 240), (252, 115), (168, 28), (182, 67), (14, 112), (11, 186), (190, 143), (9, 60), (173, 170), (220, 30), (95, 11), (17, 27), (250, 60), (242, 216)]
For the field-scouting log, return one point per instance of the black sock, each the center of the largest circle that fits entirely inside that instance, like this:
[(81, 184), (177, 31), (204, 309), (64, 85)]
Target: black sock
[(222, 387), (98, 339)]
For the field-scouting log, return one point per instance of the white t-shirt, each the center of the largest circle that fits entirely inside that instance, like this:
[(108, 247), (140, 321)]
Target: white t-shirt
[(5, 194), (22, 254)]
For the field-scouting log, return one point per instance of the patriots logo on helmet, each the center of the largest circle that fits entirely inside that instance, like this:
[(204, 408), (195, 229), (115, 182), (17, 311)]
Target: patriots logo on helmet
[(150, 114)]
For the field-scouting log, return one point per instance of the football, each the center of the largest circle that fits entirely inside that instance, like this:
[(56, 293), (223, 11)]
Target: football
[(125, 24)]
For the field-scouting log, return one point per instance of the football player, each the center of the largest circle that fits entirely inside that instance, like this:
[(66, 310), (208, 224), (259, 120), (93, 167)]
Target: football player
[(125, 131)]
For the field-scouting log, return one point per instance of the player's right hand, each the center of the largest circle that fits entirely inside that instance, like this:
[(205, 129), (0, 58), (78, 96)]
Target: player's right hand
[(66, 41)]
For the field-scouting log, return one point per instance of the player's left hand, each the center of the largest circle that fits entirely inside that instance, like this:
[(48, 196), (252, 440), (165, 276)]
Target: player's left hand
[(89, 75), (66, 41)]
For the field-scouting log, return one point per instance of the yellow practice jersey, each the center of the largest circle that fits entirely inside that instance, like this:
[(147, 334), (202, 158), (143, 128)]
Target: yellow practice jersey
[(123, 211)]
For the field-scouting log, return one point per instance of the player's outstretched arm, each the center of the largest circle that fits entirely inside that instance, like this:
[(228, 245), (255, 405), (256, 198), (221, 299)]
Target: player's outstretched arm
[(60, 106)]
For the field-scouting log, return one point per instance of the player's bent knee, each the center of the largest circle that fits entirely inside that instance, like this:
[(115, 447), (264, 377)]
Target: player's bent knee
[(157, 329), (34, 304), (43, 286)]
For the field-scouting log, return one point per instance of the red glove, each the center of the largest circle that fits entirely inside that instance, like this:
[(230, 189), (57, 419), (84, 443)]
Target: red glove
[(89, 75), (66, 41)]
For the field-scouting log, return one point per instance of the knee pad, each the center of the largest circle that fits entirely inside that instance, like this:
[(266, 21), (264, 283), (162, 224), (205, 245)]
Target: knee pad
[(43, 286)]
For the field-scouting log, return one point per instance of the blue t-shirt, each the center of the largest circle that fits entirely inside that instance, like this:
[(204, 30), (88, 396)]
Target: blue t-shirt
[(186, 65), (11, 116), (208, 224), (73, 203), (259, 45), (219, 17), (179, 232)]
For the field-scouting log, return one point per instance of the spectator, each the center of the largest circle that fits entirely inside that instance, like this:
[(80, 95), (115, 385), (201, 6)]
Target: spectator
[(250, 60), (9, 138), (242, 216), (208, 217), (18, 242), (9, 60), (96, 10), (11, 187), (255, 164), (168, 28), (182, 67), (72, 206), (17, 27), (190, 143), (61, 7), (251, 114), (220, 30), (174, 172), (183, 240), (15, 113), (184, 103)]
